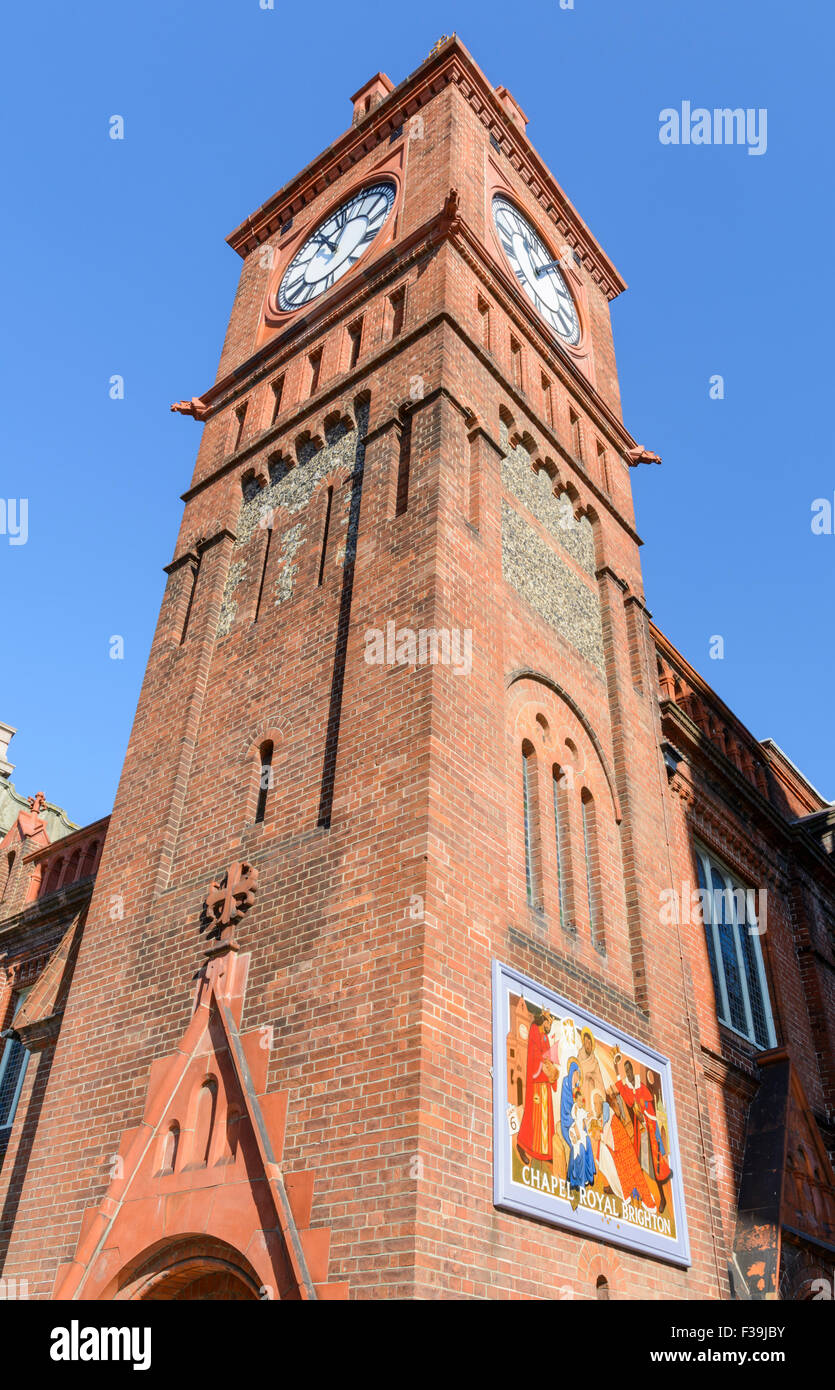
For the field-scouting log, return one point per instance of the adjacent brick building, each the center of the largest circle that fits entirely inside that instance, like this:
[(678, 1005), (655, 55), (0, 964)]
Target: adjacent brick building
[(406, 715)]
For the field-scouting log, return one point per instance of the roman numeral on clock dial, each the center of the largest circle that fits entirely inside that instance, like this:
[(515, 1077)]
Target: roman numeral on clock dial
[(536, 270)]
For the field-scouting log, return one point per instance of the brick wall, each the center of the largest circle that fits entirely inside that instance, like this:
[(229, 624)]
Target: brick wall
[(391, 851)]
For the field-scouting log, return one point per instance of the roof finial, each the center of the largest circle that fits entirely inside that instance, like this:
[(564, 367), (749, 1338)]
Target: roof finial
[(436, 47)]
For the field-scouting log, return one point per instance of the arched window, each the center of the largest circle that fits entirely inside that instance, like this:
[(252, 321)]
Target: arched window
[(72, 868), (601, 1288), (88, 863), (592, 868), (53, 878), (265, 781), (530, 812), (561, 841)]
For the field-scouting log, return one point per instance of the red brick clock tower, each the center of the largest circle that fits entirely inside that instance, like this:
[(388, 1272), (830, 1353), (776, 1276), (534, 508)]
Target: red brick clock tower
[(399, 722)]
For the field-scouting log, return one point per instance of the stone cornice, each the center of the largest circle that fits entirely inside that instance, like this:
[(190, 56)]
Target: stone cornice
[(343, 300), (346, 300), (514, 303), (292, 423), (451, 64), (706, 692), (696, 741), (789, 831)]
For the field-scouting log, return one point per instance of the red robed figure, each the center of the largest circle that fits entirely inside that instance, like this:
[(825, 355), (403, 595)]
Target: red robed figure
[(536, 1132)]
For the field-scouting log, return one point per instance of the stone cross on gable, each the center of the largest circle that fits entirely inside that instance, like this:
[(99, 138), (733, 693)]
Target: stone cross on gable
[(227, 899)]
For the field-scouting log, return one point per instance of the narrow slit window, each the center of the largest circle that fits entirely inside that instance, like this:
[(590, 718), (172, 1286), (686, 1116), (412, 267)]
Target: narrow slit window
[(238, 430), (265, 780), (354, 343), (516, 362), (475, 479), (170, 1146), (325, 530), (314, 363), (278, 392), (484, 323), (194, 566), (10, 858), (576, 436), (530, 813), (603, 468), (397, 312), (592, 868), (559, 841), (264, 563), (634, 633), (547, 400), (404, 463), (204, 1123)]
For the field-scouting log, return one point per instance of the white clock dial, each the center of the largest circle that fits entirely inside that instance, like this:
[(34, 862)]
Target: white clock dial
[(336, 245), (535, 269)]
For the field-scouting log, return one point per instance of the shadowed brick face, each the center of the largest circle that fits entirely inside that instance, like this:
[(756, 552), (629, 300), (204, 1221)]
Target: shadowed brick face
[(430, 483)]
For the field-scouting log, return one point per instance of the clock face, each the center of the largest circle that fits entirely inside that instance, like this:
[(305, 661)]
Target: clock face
[(335, 246), (534, 268)]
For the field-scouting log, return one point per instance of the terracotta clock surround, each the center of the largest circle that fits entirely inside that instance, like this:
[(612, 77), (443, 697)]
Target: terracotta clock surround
[(274, 317), (496, 184)]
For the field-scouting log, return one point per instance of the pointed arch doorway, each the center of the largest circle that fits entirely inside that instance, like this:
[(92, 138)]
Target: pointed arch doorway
[(193, 1269)]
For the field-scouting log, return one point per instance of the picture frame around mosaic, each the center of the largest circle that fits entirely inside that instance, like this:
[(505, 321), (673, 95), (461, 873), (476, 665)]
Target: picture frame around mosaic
[(584, 1127)]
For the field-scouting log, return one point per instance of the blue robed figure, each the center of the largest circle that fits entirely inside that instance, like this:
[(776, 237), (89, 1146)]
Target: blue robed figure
[(581, 1165)]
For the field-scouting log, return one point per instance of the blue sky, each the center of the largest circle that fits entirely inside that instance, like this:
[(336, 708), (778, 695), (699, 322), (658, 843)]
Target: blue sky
[(115, 263)]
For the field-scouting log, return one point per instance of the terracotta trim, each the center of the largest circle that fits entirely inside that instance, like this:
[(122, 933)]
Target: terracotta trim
[(452, 64), (69, 841), (337, 388), (527, 673), (443, 225)]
